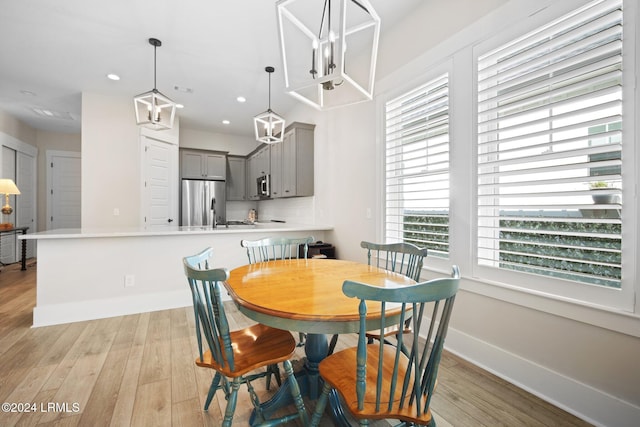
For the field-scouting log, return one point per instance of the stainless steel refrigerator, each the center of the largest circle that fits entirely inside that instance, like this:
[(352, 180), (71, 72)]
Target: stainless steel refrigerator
[(203, 203)]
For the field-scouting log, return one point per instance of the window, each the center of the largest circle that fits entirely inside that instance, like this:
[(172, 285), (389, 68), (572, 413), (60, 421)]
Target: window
[(417, 167), (549, 157)]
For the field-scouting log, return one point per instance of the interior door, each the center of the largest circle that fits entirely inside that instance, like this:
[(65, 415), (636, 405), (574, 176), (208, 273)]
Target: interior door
[(63, 189), (26, 203), (160, 178)]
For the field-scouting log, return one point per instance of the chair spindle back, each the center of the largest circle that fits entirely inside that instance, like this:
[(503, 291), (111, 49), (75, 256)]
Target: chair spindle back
[(403, 258), (210, 317), (272, 248), (408, 387)]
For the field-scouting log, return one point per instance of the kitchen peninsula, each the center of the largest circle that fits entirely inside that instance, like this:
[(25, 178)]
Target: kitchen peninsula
[(92, 274)]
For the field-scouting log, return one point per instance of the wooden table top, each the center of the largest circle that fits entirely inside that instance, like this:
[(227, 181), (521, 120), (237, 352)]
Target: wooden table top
[(306, 295)]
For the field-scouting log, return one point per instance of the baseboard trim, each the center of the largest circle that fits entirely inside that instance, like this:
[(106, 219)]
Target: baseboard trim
[(55, 314), (581, 400)]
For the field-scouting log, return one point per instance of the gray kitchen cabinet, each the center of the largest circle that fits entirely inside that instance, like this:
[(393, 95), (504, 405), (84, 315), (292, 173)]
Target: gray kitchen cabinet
[(202, 164), (295, 173), (258, 164), (276, 168), (236, 178)]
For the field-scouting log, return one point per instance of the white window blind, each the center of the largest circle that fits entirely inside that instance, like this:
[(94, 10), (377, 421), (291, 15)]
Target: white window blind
[(417, 167), (549, 149)]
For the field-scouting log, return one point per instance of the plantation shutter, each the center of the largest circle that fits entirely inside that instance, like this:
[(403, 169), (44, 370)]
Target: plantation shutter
[(417, 167), (549, 149)]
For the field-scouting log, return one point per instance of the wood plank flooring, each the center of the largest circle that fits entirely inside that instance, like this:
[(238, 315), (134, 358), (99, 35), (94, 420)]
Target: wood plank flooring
[(139, 370)]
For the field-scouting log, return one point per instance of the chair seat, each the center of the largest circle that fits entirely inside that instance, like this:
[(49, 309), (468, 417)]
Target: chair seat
[(332, 370), (254, 347), (390, 331)]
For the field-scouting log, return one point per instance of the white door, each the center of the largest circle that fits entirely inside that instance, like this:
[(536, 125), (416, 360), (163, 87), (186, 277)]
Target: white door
[(160, 177), (63, 189), (8, 241), (26, 202)]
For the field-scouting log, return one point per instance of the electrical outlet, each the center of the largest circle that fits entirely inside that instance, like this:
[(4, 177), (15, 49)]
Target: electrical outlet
[(116, 212), (129, 280), (368, 213)]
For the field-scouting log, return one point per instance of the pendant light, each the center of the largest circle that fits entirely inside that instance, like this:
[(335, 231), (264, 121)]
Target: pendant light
[(340, 40), (269, 126), (153, 109)]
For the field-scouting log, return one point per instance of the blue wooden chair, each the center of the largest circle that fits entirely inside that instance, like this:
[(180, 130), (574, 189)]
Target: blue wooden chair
[(234, 354), (272, 248), (402, 258), (378, 381)]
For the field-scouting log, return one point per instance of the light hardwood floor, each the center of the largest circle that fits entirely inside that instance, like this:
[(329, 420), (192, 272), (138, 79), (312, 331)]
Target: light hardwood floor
[(139, 370)]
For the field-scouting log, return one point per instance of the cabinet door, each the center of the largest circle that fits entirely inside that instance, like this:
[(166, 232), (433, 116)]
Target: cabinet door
[(289, 167), (276, 170), (264, 161), (215, 166), (252, 174), (191, 165), (236, 179)]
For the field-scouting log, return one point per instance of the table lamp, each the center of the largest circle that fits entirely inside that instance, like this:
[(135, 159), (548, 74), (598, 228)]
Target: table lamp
[(7, 187)]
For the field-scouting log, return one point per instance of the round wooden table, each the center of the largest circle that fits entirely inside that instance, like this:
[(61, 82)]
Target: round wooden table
[(306, 296)]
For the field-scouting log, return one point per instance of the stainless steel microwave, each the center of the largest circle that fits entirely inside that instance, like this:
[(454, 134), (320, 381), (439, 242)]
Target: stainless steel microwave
[(264, 186)]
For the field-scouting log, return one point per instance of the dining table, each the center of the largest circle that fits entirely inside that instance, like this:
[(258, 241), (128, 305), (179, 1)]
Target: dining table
[(305, 295)]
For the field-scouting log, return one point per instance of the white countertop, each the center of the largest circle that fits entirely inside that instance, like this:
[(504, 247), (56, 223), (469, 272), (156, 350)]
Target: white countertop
[(261, 227)]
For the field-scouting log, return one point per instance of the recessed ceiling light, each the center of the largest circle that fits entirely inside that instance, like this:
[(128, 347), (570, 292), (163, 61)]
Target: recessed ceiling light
[(112, 76), (179, 106), (225, 122), (241, 99), (183, 89)]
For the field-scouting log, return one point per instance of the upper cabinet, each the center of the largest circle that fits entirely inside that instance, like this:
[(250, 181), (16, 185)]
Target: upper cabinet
[(236, 178), (201, 164), (258, 164), (292, 162)]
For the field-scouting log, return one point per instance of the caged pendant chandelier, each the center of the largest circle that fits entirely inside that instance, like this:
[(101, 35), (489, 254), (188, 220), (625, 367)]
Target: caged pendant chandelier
[(329, 50), (153, 109), (269, 126)]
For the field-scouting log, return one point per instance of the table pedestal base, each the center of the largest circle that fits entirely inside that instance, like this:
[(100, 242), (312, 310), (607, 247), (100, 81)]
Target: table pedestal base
[(309, 381)]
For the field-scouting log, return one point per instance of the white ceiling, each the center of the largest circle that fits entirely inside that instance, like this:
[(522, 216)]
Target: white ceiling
[(52, 51)]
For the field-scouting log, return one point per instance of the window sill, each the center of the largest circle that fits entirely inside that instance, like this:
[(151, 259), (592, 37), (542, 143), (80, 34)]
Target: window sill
[(604, 317)]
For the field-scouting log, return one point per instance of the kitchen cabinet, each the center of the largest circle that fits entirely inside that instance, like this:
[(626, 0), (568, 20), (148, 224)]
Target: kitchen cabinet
[(236, 178), (276, 167), (258, 164), (292, 163), (202, 164)]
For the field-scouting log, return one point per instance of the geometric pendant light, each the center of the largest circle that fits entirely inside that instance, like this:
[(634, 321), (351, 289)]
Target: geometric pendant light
[(329, 50), (153, 109), (269, 126)]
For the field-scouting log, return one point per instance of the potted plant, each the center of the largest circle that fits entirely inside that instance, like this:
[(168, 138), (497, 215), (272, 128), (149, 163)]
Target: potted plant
[(606, 197)]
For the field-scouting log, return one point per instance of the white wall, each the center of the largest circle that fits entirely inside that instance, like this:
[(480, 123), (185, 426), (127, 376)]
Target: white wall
[(234, 144), (111, 161)]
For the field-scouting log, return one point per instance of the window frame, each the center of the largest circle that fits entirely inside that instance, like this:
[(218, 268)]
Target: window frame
[(622, 298), (618, 311), (433, 72)]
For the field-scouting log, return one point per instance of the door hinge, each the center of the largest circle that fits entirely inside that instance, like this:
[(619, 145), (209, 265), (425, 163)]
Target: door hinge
[(51, 164)]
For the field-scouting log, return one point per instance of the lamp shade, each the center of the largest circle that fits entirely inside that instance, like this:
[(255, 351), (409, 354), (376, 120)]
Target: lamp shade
[(7, 186), (329, 50)]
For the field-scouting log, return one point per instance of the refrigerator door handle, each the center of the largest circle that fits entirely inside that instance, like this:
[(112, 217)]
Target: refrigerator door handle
[(213, 208)]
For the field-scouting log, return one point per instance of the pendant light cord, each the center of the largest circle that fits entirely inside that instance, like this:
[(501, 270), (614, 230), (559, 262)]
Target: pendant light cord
[(154, 65), (269, 91)]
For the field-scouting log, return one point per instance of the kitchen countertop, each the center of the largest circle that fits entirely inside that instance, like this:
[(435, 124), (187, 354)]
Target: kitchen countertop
[(259, 227)]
